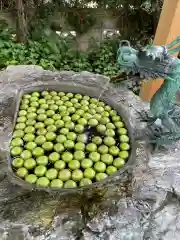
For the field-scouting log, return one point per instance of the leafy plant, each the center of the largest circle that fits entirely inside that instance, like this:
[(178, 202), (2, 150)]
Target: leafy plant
[(56, 53)]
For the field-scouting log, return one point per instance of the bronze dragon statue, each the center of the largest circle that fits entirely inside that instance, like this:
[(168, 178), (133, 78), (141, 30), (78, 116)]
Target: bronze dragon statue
[(151, 62)]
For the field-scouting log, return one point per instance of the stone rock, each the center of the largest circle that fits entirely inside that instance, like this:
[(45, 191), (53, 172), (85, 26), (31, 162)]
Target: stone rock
[(141, 203)]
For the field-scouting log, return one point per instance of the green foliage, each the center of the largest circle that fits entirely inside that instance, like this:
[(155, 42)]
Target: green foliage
[(57, 53), (103, 57)]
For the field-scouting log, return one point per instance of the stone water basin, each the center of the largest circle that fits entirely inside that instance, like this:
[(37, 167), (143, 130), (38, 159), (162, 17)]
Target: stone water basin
[(89, 131)]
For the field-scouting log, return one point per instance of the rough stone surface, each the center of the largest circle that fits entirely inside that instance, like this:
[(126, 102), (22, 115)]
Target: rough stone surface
[(141, 204)]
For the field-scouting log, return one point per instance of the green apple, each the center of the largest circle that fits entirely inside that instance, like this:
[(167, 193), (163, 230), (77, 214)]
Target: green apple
[(84, 102), (89, 173), (30, 122), (38, 151), (82, 138), (118, 163), (22, 172), (43, 182), (47, 146), (16, 151), (49, 121), (61, 138), (29, 129), (41, 117), (29, 163), (99, 109), (50, 136), (70, 125), (79, 128), (75, 117), (97, 140), (74, 164), (35, 94), (41, 111), (51, 173), (109, 141), (30, 145), (51, 128), (42, 160), (79, 146), (85, 182), (124, 154), (79, 155), (122, 131), (31, 178), (110, 126), (39, 125), (16, 142), (29, 137), (21, 119), (119, 124), (93, 122), (20, 126), (82, 121), (59, 165), (114, 150), (54, 156), (101, 176), (110, 133), (56, 183), (101, 128), (71, 136), (107, 158), (86, 163), (41, 131), (64, 175), (18, 133), (53, 107), (56, 117), (50, 101), (31, 109), (58, 147), (44, 106), (17, 162), (40, 140), (103, 149), (100, 167), (77, 175), (70, 184), (124, 139), (69, 144), (59, 123), (94, 156), (42, 101), (40, 170), (110, 170), (32, 115), (91, 147), (104, 120), (124, 146), (25, 154)]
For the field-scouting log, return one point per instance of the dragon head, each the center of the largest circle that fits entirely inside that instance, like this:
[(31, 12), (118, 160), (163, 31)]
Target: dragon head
[(149, 62)]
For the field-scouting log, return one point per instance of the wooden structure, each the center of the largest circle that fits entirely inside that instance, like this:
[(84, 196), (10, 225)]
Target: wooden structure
[(168, 29)]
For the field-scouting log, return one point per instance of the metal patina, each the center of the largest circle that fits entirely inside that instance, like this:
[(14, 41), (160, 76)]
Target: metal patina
[(151, 62)]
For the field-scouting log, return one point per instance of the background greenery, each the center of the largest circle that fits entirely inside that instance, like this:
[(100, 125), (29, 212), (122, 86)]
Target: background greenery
[(36, 42)]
